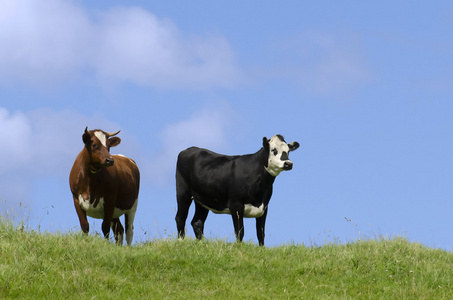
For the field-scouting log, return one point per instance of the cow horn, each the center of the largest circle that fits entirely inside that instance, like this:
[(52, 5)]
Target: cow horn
[(86, 129), (113, 133)]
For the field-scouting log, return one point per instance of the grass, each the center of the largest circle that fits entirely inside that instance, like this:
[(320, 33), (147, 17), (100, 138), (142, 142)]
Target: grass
[(36, 265)]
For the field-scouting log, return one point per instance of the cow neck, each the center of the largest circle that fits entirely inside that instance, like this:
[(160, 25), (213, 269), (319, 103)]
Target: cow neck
[(90, 169), (93, 170), (263, 157), (268, 178)]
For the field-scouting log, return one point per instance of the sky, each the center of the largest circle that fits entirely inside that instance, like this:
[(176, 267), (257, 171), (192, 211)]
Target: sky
[(365, 88)]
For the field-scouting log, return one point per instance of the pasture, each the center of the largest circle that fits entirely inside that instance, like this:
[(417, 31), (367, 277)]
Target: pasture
[(38, 265)]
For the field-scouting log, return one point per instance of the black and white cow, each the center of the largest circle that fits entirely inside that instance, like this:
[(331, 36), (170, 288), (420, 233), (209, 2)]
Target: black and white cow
[(238, 185)]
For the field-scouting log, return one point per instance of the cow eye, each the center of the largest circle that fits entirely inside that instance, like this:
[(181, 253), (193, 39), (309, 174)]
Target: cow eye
[(275, 151), (95, 146)]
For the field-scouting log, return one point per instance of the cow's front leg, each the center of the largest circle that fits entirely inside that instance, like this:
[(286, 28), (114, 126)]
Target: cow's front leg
[(238, 222), (108, 216), (106, 228), (84, 225), (260, 222)]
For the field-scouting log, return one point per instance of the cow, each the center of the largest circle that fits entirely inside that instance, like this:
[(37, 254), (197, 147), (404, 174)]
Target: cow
[(105, 186), (239, 185)]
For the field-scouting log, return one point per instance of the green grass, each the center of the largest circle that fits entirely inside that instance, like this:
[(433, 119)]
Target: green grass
[(36, 265)]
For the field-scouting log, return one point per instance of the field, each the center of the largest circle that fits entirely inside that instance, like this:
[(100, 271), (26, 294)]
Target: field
[(35, 265)]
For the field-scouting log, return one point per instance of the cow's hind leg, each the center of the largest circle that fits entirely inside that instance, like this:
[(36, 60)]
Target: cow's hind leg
[(184, 199), (129, 223), (118, 231), (198, 220)]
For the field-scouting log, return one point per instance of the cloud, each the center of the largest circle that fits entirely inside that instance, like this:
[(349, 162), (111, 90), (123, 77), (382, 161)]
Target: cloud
[(41, 41), (137, 46), (206, 128), (55, 40)]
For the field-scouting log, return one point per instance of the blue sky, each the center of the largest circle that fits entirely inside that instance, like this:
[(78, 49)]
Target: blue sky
[(366, 89)]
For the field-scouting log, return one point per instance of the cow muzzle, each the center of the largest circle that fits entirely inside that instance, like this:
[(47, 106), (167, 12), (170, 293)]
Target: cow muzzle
[(288, 165), (109, 162)]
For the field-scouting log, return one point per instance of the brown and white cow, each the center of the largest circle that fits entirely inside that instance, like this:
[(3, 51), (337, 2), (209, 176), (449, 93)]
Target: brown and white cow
[(105, 186)]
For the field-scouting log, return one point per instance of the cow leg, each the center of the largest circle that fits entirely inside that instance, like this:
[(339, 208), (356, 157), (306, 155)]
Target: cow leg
[(198, 220), (181, 216), (260, 222), (129, 223), (118, 231), (82, 216), (184, 199), (106, 228), (238, 222), (108, 216)]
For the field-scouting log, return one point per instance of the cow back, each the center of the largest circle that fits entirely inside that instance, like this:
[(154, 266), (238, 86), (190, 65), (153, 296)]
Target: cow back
[(216, 178)]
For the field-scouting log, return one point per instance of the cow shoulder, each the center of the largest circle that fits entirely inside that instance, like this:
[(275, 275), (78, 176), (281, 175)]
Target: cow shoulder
[(128, 168)]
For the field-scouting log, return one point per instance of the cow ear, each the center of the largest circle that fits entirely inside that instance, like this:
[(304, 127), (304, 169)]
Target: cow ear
[(86, 138), (265, 143), (293, 146), (114, 141)]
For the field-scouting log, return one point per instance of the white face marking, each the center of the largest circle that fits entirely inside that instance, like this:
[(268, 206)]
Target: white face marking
[(102, 138), (275, 164)]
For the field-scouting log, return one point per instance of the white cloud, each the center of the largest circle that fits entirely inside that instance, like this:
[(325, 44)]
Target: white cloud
[(41, 40), (54, 39), (206, 129), (137, 46)]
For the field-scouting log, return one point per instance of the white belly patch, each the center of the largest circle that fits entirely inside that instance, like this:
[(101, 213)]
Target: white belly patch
[(250, 211), (96, 208)]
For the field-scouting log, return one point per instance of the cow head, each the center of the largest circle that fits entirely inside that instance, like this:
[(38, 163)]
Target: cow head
[(98, 143), (278, 151)]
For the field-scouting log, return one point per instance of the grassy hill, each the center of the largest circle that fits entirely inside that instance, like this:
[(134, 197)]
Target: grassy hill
[(71, 266)]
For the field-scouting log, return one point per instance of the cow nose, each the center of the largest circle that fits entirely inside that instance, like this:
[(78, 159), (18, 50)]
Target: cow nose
[(109, 161), (288, 165)]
